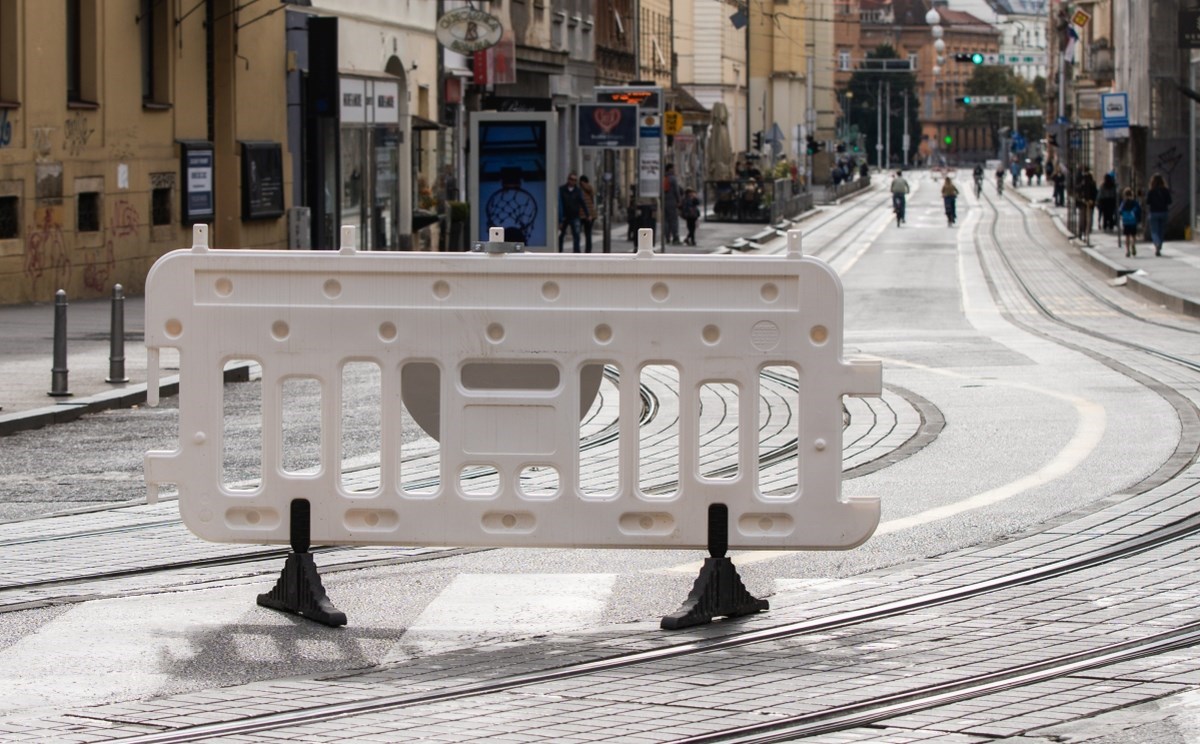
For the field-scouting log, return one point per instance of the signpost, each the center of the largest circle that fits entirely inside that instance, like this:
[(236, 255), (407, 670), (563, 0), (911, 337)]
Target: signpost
[(649, 100), (1115, 115)]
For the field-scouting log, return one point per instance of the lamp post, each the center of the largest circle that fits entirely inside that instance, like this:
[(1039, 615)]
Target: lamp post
[(934, 21)]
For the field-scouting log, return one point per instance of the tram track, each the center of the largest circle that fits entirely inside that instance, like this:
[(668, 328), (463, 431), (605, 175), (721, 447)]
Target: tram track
[(871, 709)]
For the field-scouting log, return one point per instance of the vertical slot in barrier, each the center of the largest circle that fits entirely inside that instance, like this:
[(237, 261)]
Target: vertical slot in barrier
[(300, 406), (778, 427), (420, 454), (242, 435), (362, 426), (718, 430), (600, 434), (658, 438)]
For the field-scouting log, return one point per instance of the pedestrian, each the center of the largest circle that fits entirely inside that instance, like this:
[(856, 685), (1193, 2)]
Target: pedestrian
[(1015, 167), (1085, 202), (1106, 203), (588, 217), (1060, 187), (1158, 207), (570, 208), (1131, 218), (672, 196), (691, 213)]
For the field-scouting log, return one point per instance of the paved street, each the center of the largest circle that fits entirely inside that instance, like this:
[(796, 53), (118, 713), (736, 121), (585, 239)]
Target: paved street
[(1003, 442)]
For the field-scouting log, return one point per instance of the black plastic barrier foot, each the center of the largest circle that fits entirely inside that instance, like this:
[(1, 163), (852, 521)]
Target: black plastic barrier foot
[(299, 589), (718, 591)]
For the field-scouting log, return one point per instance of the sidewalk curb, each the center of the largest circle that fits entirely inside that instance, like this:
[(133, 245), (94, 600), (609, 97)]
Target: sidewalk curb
[(125, 397)]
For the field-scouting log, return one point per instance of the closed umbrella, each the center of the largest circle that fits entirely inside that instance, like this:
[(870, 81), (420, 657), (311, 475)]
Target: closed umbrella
[(719, 151)]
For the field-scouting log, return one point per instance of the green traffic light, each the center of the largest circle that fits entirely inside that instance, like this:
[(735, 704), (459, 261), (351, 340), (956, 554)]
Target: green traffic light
[(967, 100), (948, 139), (977, 58)]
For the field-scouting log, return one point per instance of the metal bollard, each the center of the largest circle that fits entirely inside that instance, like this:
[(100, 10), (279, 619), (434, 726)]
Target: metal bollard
[(116, 349), (58, 373)]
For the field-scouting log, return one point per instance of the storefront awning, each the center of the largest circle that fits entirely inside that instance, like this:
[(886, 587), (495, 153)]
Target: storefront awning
[(685, 103)]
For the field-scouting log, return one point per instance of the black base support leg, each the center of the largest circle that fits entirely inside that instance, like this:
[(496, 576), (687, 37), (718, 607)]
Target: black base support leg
[(718, 591), (299, 589)]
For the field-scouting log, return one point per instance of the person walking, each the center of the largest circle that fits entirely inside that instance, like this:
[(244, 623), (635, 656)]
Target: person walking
[(570, 208), (1060, 186), (1085, 200), (1158, 207), (588, 217), (1131, 218), (1106, 203), (691, 213), (672, 196)]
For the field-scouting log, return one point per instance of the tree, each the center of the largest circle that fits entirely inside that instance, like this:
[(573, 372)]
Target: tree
[(995, 80), (866, 86)]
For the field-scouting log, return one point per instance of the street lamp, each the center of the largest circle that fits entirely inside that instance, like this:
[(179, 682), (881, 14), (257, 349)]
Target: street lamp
[(932, 18)]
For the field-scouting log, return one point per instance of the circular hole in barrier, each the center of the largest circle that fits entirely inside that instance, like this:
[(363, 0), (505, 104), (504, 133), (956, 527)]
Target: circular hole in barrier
[(333, 288), (550, 291), (387, 331), (603, 333), (769, 292), (508, 521), (819, 334), (280, 330), (252, 517), (441, 289), (711, 334), (495, 333), (765, 524), (372, 519), (660, 291), (173, 328), (645, 522), (224, 286)]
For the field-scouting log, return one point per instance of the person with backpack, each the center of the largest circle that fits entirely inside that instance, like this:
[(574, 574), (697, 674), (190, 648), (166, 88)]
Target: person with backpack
[(1131, 218)]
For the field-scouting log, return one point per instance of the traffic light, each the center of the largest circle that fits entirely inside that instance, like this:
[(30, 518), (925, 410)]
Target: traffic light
[(964, 100), (812, 145), (841, 147), (975, 58), (948, 140), (758, 140)]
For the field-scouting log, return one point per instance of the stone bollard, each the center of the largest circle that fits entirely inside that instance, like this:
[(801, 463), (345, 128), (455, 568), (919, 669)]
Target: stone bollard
[(116, 349), (58, 373)]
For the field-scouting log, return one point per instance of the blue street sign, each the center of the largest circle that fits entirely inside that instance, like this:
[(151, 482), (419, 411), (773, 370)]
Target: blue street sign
[(1018, 142)]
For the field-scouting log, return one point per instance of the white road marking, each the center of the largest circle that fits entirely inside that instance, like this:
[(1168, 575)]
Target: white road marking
[(114, 649), (479, 607)]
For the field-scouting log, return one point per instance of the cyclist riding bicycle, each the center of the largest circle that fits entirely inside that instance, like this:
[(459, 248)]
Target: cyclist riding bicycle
[(899, 189), (978, 173), (1000, 174), (949, 195)]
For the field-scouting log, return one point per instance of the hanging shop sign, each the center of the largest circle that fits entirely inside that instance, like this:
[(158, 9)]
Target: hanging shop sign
[(466, 30)]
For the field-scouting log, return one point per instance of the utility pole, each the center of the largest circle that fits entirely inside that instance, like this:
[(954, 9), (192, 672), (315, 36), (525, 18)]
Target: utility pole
[(879, 126), (907, 141), (888, 139)]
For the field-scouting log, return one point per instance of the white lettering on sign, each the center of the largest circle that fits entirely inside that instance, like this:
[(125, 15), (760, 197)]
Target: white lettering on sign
[(199, 179)]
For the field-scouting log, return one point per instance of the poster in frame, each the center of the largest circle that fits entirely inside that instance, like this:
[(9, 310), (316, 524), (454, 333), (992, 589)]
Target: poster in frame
[(513, 170)]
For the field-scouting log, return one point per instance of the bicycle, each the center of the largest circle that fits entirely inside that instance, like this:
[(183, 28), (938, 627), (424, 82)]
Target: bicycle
[(951, 212), (1000, 183), (898, 207), (978, 187)]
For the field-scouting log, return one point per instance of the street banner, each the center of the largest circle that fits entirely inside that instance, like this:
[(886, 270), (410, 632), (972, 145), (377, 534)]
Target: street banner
[(511, 171)]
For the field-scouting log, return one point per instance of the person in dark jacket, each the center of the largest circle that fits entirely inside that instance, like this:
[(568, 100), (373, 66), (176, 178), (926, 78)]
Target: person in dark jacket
[(1158, 207), (571, 207), (1085, 201), (1060, 187), (1106, 203)]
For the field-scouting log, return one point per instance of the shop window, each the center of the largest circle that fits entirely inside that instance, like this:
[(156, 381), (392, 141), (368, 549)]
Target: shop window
[(153, 29), (82, 60), (10, 57), (87, 212), (10, 214), (160, 207)]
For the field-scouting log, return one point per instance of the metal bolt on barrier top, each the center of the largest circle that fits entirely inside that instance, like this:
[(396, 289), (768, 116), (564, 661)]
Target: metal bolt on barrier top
[(58, 373), (116, 349)]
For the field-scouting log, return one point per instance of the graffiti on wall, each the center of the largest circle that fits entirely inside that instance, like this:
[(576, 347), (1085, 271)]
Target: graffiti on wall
[(41, 143), (77, 133), (46, 254), (100, 263), (5, 129)]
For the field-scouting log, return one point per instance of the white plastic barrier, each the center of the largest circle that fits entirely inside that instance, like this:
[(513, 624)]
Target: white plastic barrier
[(716, 319)]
